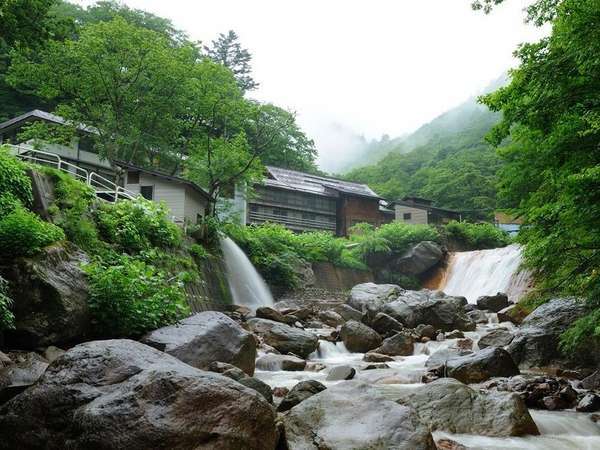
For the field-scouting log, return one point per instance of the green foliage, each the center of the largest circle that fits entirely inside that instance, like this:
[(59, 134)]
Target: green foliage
[(131, 297), (14, 179), (7, 318), (136, 225), (583, 332), (476, 236), (199, 252), (226, 50), (22, 233), (402, 235)]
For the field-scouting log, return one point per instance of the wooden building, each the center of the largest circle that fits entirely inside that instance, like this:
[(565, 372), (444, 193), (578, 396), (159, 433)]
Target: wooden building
[(416, 210)]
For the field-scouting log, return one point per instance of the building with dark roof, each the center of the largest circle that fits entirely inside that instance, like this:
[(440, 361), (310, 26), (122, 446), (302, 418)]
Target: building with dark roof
[(306, 202), (416, 210)]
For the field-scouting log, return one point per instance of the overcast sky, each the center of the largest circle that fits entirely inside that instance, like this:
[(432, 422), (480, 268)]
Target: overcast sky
[(356, 66)]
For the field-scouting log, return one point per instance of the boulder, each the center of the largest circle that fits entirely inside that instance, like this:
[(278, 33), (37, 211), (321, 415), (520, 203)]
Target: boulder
[(426, 331), (451, 406), (273, 362), (50, 293), (283, 337), (455, 334), (265, 312), (413, 308), (401, 344), (592, 381), (384, 324), (419, 258), (376, 357), (371, 296), (499, 337), (478, 316), (205, 338), (536, 342), (512, 313), (481, 365), (51, 353), (589, 403), (25, 369), (227, 370), (348, 312), (124, 394), (351, 416), (493, 303), (299, 393), (441, 357), (331, 318), (358, 337), (338, 373), (259, 386)]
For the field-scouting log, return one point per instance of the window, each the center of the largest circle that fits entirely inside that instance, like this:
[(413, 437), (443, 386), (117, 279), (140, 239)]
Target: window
[(147, 192), (133, 177), (407, 216)]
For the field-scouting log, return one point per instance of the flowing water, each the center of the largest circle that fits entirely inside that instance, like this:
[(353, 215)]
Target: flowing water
[(245, 283), (486, 272), (473, 273)]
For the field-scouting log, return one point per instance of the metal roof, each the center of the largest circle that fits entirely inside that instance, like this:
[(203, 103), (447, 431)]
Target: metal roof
[(43, 115), (315, 184)]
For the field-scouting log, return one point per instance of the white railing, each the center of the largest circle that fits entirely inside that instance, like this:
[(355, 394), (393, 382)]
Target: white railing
[(102, 185)]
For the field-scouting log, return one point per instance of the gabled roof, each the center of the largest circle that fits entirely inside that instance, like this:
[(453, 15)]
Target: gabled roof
[(425, 207), (164, 176), (45, 116), (315, 184)]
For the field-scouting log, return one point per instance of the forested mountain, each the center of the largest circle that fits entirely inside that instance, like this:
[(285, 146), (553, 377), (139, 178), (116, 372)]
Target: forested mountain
[(446, 160)]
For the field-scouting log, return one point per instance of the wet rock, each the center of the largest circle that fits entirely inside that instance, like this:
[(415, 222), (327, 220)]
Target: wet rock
[(382, 323), (50, 293), (280, 391), (284, 338), (314, 367), (5, 360), (372, 296), (493, 303), (464, 344), (455, 334), (482, 365), (25, 369), (427, 331), (265, 312), (259, 386), (299, 393), (536, 342), (348, 312), (280, 362), (358, 337), (322, 422), (52, 353), (592, 381), (376, 366), (439, 358), (227, 370), (454, 407), (512, 313), (341, 373), (376, 357), (331, 318), (419, 258), (589, 403), (478, 316), (205, 338), (401, 344), (499, 337), (449, 444), (124, 394)]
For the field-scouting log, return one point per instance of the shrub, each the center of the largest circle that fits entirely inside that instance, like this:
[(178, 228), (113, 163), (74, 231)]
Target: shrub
[(14, 179), (7, 318), (583, 333), (477, 236), (136, 225), (8, 203), (131, 297), (401, 236), (22, 233)]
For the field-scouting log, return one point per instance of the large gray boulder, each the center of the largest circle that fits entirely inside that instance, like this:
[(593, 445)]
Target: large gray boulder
[(419, 258), (21, 371), (353, 415), (50, 293), (499, 337), (536, 341), (449, 405), (274, 362), (283, 337), (494, 303), (299, 393), (481, 365), (124, 394), (205, 338), (371, 296), (358, 337), (400, 344), (413, 308)]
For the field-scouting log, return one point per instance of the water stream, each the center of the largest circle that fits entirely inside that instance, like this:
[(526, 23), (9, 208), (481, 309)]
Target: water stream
[(245, 283), (473, 274)]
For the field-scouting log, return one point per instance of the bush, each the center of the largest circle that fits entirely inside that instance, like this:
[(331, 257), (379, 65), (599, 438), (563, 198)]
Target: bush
[(584, 333), (476, 236), (131, 297), (136, 225), (401, 236), (14, 179), (7, 318), (22, 233)]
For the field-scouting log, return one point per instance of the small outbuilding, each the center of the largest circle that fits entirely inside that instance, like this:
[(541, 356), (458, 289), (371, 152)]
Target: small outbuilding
[(416, 210)]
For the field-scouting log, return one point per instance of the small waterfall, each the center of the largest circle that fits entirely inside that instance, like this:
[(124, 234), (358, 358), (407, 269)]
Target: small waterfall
[(486, 272), (247, 286)]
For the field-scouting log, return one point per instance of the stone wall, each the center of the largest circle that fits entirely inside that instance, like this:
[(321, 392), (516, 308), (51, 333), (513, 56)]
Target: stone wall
[(332, 278), (211, 292)]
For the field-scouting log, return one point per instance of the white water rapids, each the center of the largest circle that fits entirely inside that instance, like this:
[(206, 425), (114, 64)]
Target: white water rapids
[(471, 274)]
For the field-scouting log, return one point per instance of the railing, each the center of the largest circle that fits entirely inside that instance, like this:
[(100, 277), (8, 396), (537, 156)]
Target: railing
[(294, 222), (103, 186)]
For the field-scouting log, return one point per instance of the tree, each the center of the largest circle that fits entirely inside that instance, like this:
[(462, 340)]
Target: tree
[(551, 112), (226, 50)]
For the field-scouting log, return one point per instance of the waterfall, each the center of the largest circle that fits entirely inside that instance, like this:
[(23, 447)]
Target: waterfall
[(486, 272), (247, 286)]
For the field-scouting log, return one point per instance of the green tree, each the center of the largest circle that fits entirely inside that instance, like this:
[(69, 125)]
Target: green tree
[(227, 50)]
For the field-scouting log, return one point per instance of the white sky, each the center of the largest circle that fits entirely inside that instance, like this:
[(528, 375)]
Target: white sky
[(367, 67)]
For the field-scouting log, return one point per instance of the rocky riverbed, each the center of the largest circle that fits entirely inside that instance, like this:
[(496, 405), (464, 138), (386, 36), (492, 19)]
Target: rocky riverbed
[(382, 368)]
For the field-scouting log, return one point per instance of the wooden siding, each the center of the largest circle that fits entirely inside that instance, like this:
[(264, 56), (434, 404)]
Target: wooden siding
[(172, 193), (418, 216), (195, 205), (353, 210)]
